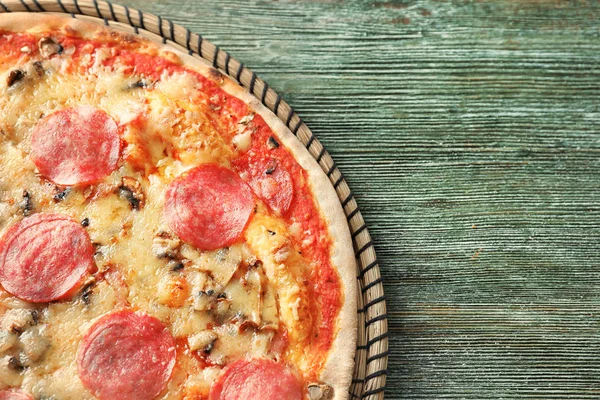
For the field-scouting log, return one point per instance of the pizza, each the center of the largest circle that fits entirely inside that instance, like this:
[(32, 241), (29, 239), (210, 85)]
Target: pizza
[(162, 234)]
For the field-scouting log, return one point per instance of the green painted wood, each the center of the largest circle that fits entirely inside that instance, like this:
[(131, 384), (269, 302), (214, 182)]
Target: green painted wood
[(469, 132)]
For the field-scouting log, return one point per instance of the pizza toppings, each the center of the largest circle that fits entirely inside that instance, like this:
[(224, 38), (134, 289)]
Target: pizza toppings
[(60, 195), (272, 142), (49, 46), (202, 341), (76, 146), (166, 245), (14, 76), (27, 204), (126, 355), (273, 184), (320, 392), (17, 320), (206, 300), (242, 141), (139, 84), (38, 68), (14, 395), (208, 207), (33, 345), (256, 379), (44, 257), (23, 344), (173, 291), (131, 190)]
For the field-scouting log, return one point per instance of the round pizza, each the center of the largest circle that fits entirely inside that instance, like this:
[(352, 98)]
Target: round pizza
[(162, 234)]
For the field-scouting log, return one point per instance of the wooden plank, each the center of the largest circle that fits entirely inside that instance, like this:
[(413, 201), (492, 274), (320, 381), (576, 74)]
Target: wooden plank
[(469, 132)]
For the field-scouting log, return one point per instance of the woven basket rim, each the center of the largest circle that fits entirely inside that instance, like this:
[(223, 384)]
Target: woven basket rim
[(372, 347)]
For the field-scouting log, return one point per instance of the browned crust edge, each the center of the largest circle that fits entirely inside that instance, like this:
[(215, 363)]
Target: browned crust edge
[(339, 365)]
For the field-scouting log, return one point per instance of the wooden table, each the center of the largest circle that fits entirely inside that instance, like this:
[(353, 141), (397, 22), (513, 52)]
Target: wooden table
[(469, 132)]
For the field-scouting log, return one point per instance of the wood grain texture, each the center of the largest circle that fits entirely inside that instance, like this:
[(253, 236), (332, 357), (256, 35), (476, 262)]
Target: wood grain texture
[(469, 132)]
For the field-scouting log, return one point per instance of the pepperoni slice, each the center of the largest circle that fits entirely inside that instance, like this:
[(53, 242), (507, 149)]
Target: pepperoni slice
[(126, 355), (273, 184), (208, 206), (76, 145), (44, 257), (14, 395), (256, 379)]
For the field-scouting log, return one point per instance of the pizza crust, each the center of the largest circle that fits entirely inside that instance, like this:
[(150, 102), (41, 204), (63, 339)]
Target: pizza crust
[(339, 365)]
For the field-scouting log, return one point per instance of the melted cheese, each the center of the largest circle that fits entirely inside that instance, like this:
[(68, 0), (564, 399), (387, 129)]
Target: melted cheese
[(235, 298)]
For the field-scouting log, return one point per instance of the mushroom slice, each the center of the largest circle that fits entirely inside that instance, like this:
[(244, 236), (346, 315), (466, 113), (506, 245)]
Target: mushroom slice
[(166, 245), (221, 264), (203, 289), (49, 46), (17, 320), (205, 300), (131, 190), (318, 391), (234, 344), (245, 298), (203, 341), (34, 345), (14, 76)]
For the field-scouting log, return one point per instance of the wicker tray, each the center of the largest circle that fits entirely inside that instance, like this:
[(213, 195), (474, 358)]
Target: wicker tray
[(372, 348)]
